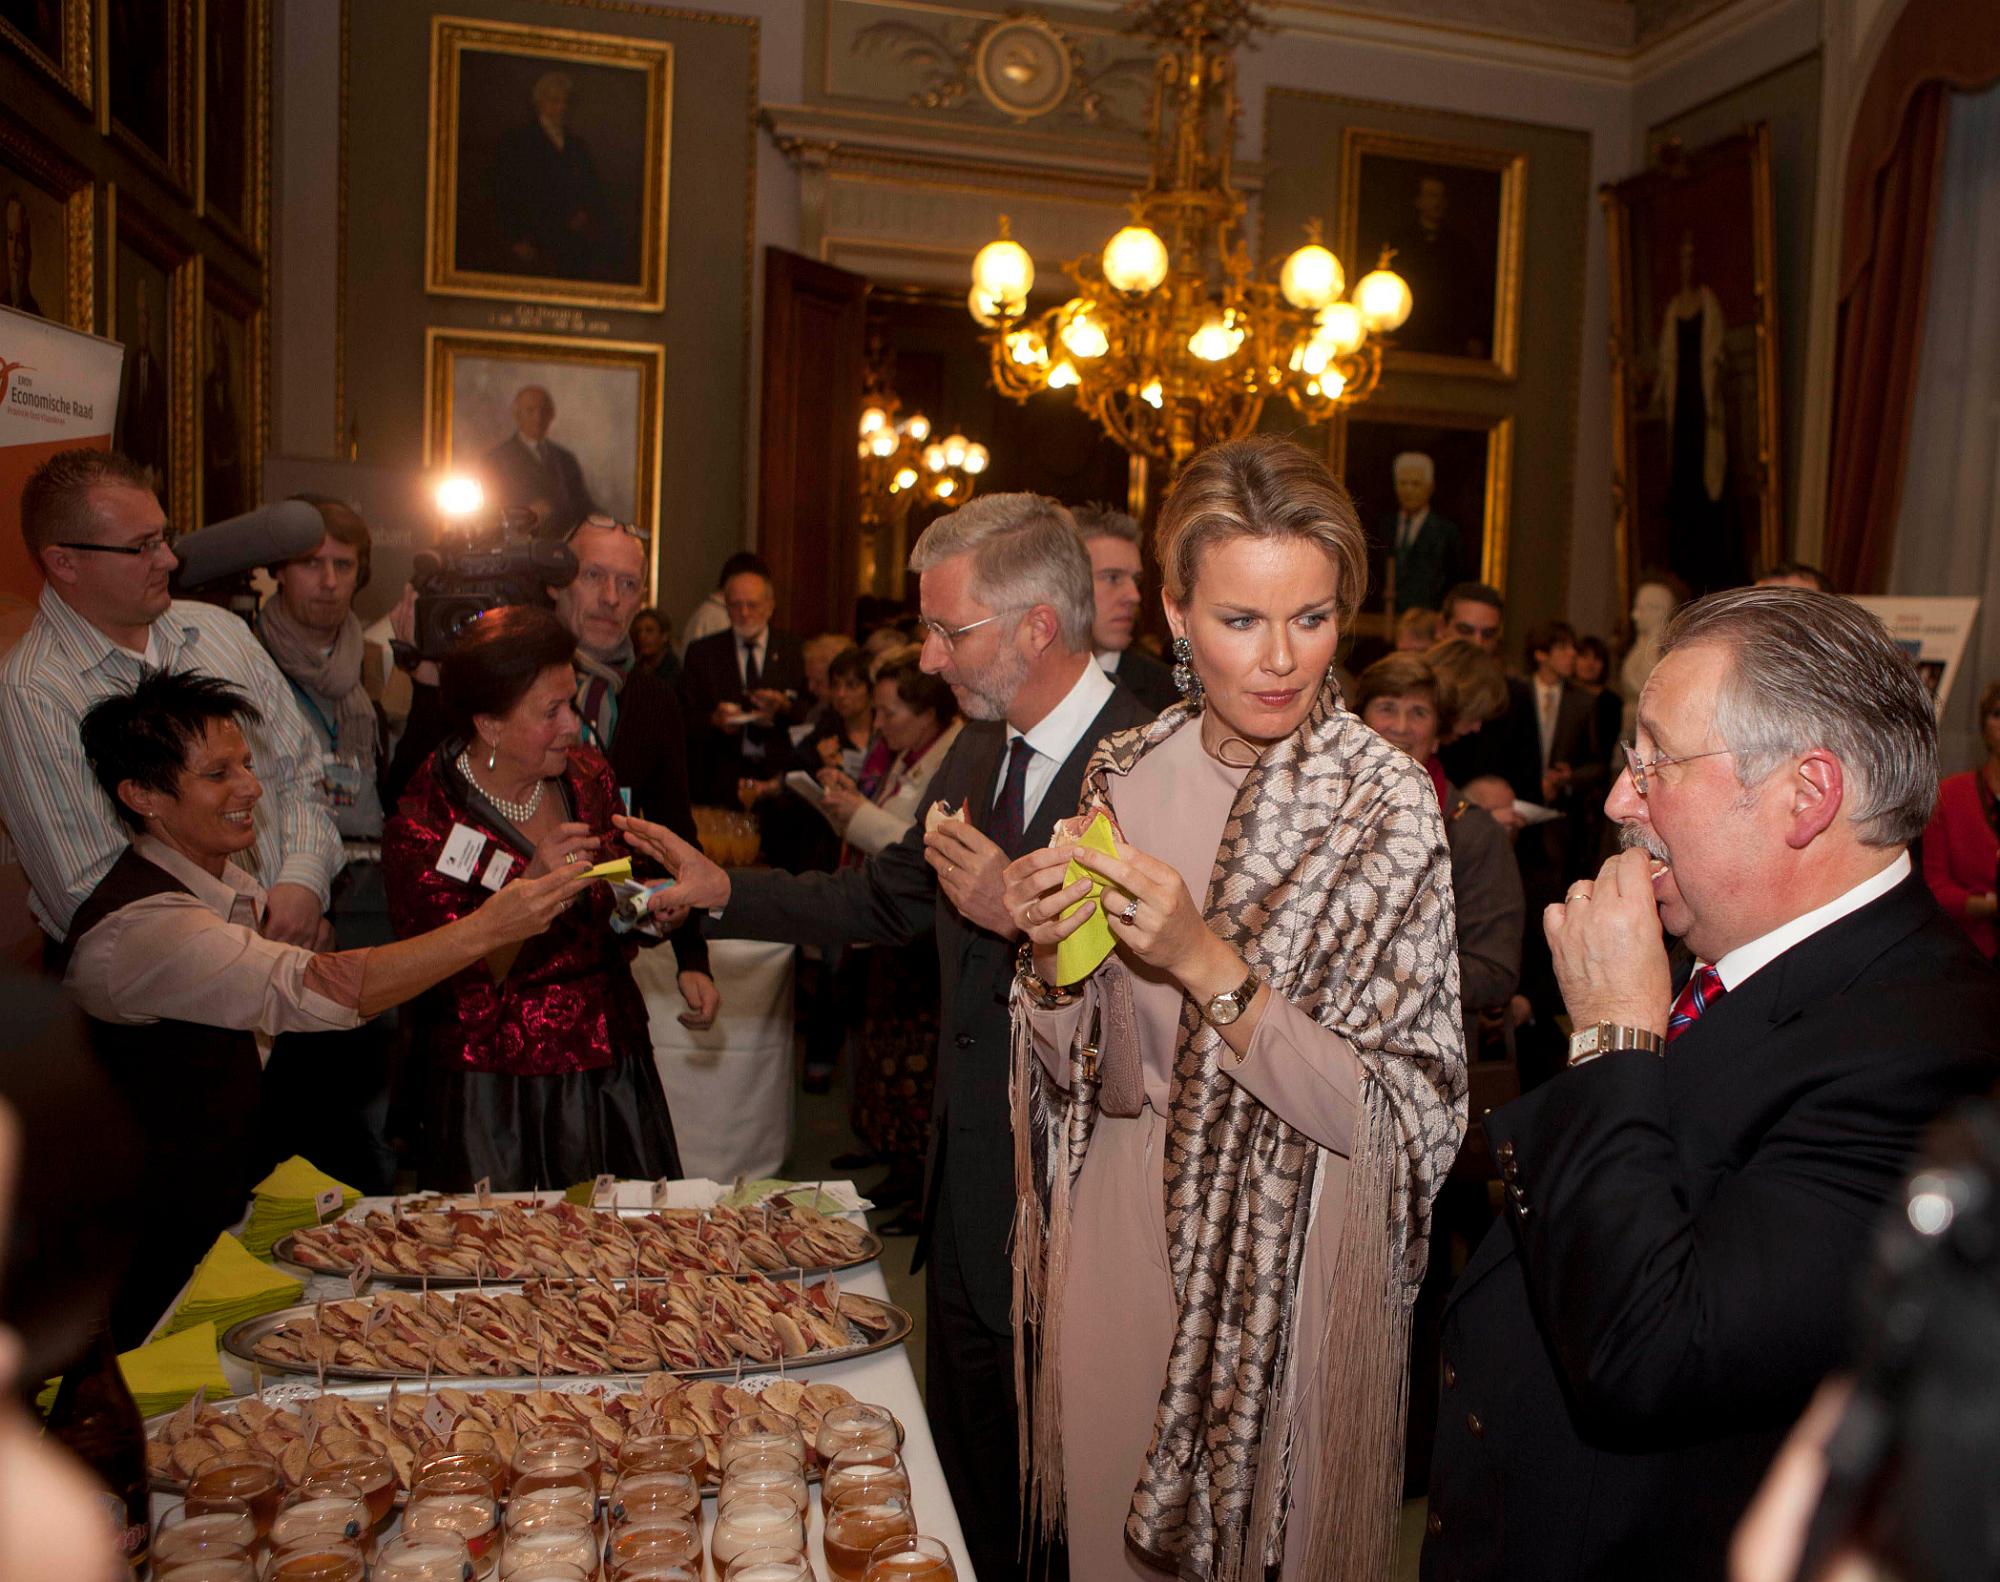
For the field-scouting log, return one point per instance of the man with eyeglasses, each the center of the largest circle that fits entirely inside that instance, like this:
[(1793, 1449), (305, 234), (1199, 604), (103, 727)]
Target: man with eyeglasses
[(627, 712), (95, 528), (1688, 1205), (739, 689)]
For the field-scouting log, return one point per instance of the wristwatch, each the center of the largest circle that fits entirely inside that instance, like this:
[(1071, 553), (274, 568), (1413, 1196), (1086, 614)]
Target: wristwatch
[(1225, 1008), (1589, 1042)]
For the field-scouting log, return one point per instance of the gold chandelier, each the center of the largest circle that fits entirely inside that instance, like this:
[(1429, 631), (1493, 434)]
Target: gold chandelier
[(1171, 343), (903, 465)]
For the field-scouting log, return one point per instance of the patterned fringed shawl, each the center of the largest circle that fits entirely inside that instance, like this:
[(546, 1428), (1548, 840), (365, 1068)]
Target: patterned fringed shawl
[(1334, 882)]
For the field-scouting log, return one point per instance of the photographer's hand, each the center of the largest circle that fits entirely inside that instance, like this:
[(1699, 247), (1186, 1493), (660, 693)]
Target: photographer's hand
[(403, 626)]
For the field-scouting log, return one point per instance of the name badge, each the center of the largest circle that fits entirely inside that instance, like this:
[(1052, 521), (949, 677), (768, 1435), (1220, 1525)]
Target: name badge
[(497, 870), (462, 850), (341, 780)]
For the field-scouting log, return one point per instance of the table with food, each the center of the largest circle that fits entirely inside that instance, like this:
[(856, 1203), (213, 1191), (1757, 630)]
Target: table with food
[(651, 1383)]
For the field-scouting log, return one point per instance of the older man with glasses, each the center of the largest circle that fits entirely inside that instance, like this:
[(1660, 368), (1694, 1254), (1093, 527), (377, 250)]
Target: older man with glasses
[(95, 529), (1688, 1205)]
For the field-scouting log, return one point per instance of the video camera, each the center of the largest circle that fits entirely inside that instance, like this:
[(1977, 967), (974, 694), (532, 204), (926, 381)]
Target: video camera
[(483, 561)]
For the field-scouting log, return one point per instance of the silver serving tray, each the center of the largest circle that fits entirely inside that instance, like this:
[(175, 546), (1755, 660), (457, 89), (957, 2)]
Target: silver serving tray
[(240, 1341), (281, 1250)]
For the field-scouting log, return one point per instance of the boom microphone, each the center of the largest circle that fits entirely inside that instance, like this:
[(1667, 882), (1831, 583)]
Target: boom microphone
[(267, 536)]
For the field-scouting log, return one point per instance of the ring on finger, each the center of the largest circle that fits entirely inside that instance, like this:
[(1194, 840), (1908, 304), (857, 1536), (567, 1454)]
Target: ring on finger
[(1578, 894), (1131, 910)]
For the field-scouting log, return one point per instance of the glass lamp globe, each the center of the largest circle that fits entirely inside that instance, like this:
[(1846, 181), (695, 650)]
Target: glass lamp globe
[(883, 442), (1341, 327), (872, 418), (1004, 273), (918, 427), (984, 309), (1135, 260), (1383, 297), (1153, 395), (976, 459), (906, 478), (1064, 375), (946, 488), (1081, 334), (1028, 349), (1332, 383), (954, 449), (1312, 277), (1216, 341), (934, 458)]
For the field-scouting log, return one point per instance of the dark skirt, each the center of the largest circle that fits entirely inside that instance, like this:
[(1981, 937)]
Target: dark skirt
[(525, 1134)]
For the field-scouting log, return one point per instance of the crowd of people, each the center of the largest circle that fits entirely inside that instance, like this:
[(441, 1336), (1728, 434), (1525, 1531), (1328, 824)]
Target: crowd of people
[(1424, 1078)]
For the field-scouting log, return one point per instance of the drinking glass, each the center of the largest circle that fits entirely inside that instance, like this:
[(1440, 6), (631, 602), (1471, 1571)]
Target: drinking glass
[(664, 1453), (535, 1543), (329, 1509), (208, 1568), (756, 1521), (657, 1538), (767, 1431), (637, 1494), (368, 1470), (563, 1502), (545, 1460), (651, 1570), (245, 1474), (769, 1565), (859, 1523), (427, 1557), (855, 1423), (863, 1467), (764, 1476), (458, 1500), (913, 1558), (550, 1571), (483, 1461), (320, 1557), (226, 1527)]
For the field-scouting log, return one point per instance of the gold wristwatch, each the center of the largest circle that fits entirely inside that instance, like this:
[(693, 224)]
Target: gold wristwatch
[(1225, 1008), (1588, 1043)]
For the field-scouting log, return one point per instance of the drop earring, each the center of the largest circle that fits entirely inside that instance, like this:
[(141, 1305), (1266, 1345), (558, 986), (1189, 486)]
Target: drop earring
[(1186, 682), (492, 756)]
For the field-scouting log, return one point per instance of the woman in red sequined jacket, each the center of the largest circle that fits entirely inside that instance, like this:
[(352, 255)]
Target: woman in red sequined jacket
[(537, 1063)]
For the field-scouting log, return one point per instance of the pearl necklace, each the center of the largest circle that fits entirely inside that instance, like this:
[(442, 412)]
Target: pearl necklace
[(517, 812)]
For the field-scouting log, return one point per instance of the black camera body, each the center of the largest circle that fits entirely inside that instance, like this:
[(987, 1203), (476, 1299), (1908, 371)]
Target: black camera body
[(481, 565)]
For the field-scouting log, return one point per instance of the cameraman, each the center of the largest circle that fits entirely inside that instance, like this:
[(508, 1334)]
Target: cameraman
[(337, 678), (627, 712)]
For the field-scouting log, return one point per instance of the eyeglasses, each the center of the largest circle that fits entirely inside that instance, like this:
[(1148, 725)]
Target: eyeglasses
[(1641, 767), (611, 524), (150, 545), (949, 635)]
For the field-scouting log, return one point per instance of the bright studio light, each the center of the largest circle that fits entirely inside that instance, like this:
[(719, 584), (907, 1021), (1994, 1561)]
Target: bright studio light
[(459, 495)]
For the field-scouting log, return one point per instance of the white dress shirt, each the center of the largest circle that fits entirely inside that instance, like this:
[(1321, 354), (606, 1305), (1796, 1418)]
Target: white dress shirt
[(1548, 708), (1740, 963), (1054, 738)]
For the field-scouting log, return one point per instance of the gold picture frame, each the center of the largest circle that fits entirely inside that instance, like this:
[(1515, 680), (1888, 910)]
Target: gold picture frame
[(1398, 191), (149, 109), (472, 378), (1362, 444), (1696, 229), (248, 115), (69, 63), (489, 234), (58, 199), (155, 264), (232, 424)]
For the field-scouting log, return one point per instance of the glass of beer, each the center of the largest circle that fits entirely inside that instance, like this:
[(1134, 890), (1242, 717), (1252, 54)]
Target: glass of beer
[(427, 1557), (483, 1461), (863, 1467), (319, 1558), (855, 1423), (458, 1500), (761, 1433), (208, 1568), (329, 1509), (560, 1502), (664, 1453), (640, 1494), (549, 1571), (655, 1538), (536, 1542), (225, 1527), (911, 1558), (769, 1565), (651, 1570), (860, 1522), (245, 1474), (369, 1471), (546, 1459), (756, 1521)]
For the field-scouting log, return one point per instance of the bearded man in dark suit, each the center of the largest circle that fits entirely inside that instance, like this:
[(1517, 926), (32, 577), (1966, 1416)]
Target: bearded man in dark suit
[(1016, 649), (1689, 1204)]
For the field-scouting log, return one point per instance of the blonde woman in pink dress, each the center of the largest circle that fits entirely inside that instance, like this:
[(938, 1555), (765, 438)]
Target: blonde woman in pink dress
[(1229, 1134)]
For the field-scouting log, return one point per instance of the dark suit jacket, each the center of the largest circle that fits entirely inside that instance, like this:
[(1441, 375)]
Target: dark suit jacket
[(893, 898), (1674, 1275), (1427, 569), (709, 676), (520, 478), (1147, 679)]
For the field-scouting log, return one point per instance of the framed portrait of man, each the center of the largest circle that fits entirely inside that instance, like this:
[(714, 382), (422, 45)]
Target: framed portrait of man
[(48, 211), (1451, 217), (1694, 364), (153, 300), (1432, 490), (548, 164), (232, 403), (235, 131), (148, 89), (53, 36), (564, 427)]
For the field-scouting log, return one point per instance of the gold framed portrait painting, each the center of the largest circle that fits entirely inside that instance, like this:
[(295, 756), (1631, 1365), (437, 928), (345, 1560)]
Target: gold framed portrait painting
[(54, 37), (148, 99), (1694, 365), (232, 402), (562, 426), (1452, 216), (1436, 522), (154, 297), (48, 206), (235, 139), (548, 164)]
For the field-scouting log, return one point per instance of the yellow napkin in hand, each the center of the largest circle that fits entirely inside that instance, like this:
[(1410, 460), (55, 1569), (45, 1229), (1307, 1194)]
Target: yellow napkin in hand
[(164, 1375), (229, 1286), (1078, 956), (621, 869)]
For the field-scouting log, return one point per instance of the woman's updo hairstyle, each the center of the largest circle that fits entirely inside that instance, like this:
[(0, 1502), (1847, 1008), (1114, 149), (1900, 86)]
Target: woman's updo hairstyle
[(1261, 487), (497, 659)]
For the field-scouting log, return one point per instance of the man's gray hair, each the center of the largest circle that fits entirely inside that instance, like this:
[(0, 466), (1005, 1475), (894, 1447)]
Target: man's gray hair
[(1025, 551), (1813, 670), (1418, 460), (1101, 521)]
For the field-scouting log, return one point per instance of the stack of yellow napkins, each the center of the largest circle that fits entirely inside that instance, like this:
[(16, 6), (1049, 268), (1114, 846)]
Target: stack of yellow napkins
[(164, 1375), (229, 1286), (290, 1198)]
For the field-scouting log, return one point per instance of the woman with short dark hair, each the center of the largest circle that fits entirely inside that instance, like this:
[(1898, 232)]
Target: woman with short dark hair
[(539, 1062)]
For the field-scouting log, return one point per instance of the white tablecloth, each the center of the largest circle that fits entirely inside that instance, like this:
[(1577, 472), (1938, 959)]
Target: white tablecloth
[(731, 1088)]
